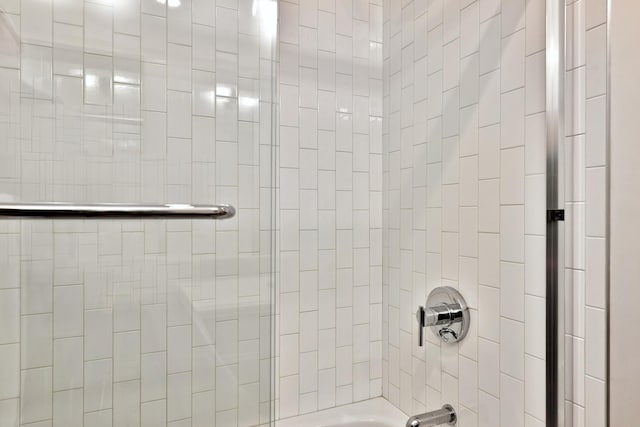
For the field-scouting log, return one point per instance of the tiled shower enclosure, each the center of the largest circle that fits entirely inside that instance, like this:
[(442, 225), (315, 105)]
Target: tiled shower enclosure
[(373, 149), (127, 323)]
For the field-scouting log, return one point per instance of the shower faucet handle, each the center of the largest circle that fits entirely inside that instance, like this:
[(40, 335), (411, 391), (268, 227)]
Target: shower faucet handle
[(446, 313), (420, 314), (447, 335)]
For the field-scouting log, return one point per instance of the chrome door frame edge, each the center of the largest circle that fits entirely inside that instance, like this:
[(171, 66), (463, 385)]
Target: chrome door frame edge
[(607, 276), (555, 263)]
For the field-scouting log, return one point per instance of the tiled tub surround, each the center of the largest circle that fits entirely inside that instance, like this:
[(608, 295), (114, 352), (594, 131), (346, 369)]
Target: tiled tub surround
[(585, 258), (98, 103), (464, 201), (145, 323), (464, 179), (329, 330)]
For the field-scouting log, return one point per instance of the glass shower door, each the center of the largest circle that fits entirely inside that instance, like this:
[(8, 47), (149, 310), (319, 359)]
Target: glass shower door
[(136, 321)]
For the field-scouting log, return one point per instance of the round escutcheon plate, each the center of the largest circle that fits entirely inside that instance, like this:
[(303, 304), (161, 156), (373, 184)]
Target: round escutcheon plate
[(450, 297)]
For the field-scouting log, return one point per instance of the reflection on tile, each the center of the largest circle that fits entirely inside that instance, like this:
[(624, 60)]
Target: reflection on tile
[(67, 44), (226, 74), (204, 93), (126, 59), (97, 79), (248, 100)]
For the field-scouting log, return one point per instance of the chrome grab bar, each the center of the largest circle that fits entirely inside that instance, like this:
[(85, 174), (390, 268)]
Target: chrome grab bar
[(446, 415), (113, 211)]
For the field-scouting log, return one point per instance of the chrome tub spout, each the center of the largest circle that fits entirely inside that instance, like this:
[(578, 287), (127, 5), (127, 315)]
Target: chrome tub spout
[(446, 415)]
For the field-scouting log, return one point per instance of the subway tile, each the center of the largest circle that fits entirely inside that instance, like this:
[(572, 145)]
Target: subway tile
[(512, 119), (101, 418), (575, 111), (511, 401), (326, 30), (470, 29), (98, 23), (10, 316), (98, 388), (67, 45), (10, 372), (512, 348), (153, 39), (469, 82), (595, 212), (489, 259), (468, 237), (489, 205), (489, 102), (36, 22), (534, 326), (179, 396), (67, 311), (489, 313), (36, 71), (153, 8), (126, 356), (513, 61), (36, 396), (596, 132), (595, 343), (512, 233), (534, 144), (535, 205), (37, 341), (575, 291), (513, 16), (289, 389), (179, 23), (512, 290), (98, 77), (535, 15), (98, 330), (488, 368), (490, 42), (512, 180), (535, 83), (126, 17), (596, 13), (70, 12), (596, 57), (595, 394), (574, 373), (534, 402), (153, 376), (68, 363), (67, 407)]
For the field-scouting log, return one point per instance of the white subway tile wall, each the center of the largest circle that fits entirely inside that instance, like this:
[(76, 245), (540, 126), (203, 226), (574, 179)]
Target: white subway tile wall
[(150, 323), (464, 205), (329, 308), (585, 189), (410, 155)]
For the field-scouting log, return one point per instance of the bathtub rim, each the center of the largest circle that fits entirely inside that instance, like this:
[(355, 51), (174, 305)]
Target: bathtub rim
[(377, 410)]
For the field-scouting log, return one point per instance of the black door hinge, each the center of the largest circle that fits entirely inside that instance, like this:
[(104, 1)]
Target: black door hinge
[(554, 215)]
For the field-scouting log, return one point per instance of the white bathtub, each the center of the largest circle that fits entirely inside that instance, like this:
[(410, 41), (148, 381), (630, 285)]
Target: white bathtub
[(376, 412)]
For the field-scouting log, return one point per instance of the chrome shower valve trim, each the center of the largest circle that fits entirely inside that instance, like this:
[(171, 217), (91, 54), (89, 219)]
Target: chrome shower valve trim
[(446, 313)]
